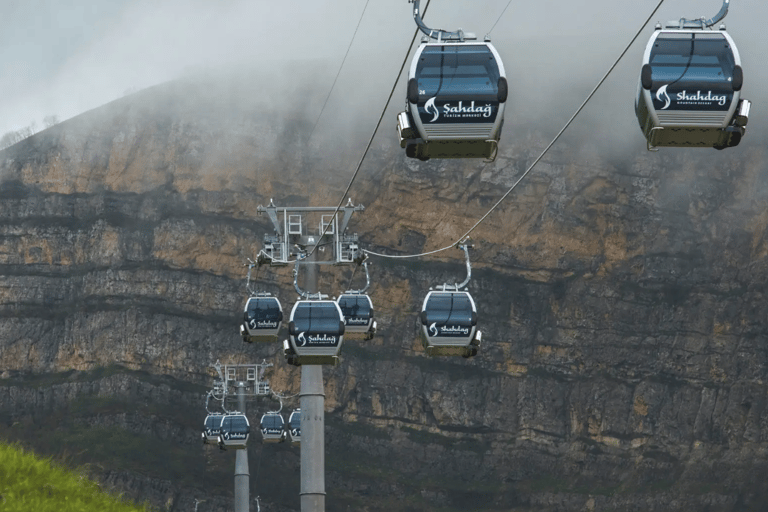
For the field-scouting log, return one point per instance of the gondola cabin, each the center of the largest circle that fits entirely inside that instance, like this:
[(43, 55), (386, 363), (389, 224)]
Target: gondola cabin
[(212, 428), (262, 318), (689, 92), (294, 426), (235, 431), (457, 92), (316, 332), (449, 324), (357, 309), (272, 428)]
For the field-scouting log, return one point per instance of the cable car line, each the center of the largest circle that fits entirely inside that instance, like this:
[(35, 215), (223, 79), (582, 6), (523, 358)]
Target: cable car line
[(465, 236), (338, 73), (370, 142), (500, 15)]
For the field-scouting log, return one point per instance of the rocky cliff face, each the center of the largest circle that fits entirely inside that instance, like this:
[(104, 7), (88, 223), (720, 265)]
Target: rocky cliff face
[(622, 303)]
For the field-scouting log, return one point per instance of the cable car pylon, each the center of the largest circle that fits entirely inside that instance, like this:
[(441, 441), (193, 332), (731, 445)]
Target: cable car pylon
[(233, 428), (316, 325)]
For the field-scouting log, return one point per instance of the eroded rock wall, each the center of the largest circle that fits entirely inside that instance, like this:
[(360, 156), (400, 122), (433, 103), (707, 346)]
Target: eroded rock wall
[(621, 302)]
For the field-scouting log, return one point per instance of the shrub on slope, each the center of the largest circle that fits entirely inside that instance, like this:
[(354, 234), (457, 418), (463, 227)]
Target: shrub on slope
[(28, 483)]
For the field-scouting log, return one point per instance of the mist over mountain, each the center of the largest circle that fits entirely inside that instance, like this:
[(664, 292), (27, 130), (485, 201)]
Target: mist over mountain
[(621, 293), (621, 296)]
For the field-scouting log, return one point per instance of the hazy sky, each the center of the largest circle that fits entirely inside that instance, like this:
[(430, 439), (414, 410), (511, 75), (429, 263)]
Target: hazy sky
[(65, 57)]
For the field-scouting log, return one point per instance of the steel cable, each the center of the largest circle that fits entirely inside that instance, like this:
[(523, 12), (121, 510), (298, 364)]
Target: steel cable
[(338, 73), (375, 130), (465, 236), (500, 15)]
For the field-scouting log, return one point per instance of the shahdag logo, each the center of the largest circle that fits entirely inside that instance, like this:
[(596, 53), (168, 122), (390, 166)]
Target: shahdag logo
[(301, 339), (262, 324), (433, 329), (431, 108), (662, 95)]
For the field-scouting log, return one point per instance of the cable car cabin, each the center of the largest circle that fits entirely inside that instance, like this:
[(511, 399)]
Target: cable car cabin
[(357, 309), (235, 431), (294, 426), (455, 102), (689, 93), (212, 428), (272, 428), (262, 319), (449, 324), (316, 332)]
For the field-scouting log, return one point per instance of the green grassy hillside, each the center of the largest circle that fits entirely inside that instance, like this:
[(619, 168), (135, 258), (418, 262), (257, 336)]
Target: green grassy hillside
[(29, 483)]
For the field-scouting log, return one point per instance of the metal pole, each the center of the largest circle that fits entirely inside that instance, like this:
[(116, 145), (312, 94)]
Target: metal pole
[(312, 396), (242, 475)]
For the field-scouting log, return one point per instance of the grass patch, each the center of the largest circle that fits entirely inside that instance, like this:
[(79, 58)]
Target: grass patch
[(29, 483), (132, 452)]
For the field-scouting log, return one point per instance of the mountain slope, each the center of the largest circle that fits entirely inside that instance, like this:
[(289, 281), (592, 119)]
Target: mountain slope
[(621, 298)]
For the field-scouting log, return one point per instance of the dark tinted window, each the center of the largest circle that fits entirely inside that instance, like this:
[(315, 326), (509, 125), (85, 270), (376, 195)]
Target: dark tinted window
[(317, 318), (213, 422), (240, 425), (449, 308), (355, 305), (262, 309), (458, 71), (698, 58), (272, 421)]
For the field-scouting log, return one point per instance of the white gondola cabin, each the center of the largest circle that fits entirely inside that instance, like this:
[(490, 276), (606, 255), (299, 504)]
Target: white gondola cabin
[(357, 309), (262, 318), (272, 428), (448, 324), (457, 92), (235, 431), (689, 92), (212, 428), (316, 332)]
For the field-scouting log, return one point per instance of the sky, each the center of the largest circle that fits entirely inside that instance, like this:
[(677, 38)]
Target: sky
[(63, 58)]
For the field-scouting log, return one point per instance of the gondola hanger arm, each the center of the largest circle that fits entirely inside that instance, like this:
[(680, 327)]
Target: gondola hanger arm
[(465, 247), (438, 34), (302, 293), (720, 15), (367, 277), (250, 266), (702, 22)]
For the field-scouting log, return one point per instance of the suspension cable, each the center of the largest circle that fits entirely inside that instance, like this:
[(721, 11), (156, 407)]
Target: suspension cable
[(464, 237), (375, 130), (338, 73), (500, 15)]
